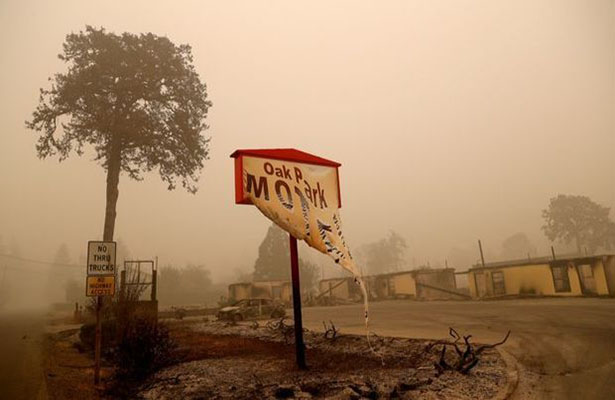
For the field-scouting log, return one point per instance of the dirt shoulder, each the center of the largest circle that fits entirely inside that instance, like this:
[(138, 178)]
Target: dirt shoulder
[(21, 355), (249, 361), (69, 371)]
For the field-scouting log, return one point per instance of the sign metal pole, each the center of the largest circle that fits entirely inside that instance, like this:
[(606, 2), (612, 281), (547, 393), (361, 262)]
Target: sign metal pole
[(294, 265), (301, 182), (100, 282), (97, 344)]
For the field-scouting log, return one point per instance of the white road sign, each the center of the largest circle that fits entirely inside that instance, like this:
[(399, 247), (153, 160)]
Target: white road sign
[(101, 258)]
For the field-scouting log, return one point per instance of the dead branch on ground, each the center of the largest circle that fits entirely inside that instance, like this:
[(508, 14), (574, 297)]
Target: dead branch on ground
[(330, 331), (467, 358), (287, 331), (282, 328)]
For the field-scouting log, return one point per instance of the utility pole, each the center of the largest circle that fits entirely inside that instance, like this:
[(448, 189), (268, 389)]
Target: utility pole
[(482, 257)]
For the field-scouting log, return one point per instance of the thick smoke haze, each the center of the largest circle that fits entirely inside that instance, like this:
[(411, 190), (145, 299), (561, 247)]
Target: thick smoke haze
[(453, 121)]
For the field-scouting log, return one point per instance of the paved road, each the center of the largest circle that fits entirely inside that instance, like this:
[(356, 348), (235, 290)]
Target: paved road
[(21, 372), (565, 347)]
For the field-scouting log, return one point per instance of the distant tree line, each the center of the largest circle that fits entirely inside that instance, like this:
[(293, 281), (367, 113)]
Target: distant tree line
[(576, 223), (191, 285), (384, 255), (580, 221)]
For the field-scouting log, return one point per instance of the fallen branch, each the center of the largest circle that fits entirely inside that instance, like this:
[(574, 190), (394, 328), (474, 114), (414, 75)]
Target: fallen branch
[(490, 346), (467, 358), (280, 327), (330, 331)]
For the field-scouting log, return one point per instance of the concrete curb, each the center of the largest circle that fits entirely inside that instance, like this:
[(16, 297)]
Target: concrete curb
[(512, 376)]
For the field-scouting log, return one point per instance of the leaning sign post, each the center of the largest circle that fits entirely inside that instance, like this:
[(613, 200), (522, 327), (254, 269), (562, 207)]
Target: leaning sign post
[(300, 192), (100, 282)]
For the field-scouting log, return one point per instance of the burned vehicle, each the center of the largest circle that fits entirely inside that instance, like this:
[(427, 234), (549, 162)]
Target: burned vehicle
[(252, 309)]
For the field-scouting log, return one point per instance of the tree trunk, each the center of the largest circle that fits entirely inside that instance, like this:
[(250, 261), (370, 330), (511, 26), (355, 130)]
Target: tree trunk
[(113, 179)]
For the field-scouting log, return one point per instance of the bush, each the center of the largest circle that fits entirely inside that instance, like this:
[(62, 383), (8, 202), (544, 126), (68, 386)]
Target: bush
[(87, 334), (144, 348)]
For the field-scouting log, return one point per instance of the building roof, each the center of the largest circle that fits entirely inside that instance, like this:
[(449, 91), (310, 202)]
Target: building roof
[(272, 282), (286, 155), (240, 284), (411, 271), (564, 259)]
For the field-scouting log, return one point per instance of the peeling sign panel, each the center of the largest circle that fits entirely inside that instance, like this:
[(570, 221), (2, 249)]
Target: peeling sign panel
[(303, 199)]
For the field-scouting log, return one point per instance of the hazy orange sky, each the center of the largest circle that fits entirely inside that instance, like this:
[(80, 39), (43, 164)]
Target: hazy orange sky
[(454, 120)]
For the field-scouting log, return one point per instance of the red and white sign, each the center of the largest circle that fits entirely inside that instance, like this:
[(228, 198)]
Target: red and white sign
[(300, 192)]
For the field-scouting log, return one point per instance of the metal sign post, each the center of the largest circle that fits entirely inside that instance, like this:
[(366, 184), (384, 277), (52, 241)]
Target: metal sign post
[(98, 341), (294, 265), (100, 282)]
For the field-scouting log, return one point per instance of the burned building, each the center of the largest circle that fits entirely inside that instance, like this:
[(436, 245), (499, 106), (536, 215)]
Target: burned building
[(545, 276), (275, 290), (421, 284)]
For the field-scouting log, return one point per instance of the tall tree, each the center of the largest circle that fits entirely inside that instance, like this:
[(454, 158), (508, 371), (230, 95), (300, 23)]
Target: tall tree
[(517, 246), (273, 256), (273, 262), (189, 285), (580, 220), (136, 99), (386, 254)]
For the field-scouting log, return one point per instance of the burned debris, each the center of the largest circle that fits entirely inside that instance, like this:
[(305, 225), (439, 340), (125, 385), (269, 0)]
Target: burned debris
[(282, 328), (468, 356), (330, 330), (343, 367)]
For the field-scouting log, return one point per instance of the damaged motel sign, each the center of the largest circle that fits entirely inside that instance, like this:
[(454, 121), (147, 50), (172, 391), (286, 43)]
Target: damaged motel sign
[(291, 187), (101, 269), (299, 192)]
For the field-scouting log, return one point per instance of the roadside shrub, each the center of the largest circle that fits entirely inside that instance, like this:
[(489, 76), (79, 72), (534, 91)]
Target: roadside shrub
[(144, 348), (87, 334)]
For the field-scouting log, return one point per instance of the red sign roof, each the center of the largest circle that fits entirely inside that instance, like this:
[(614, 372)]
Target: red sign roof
[(286, 155)]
